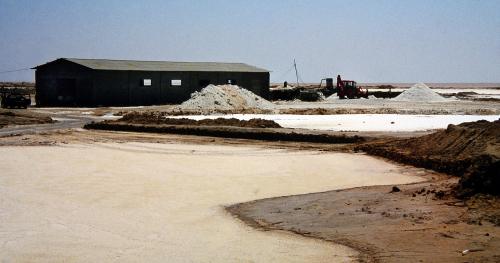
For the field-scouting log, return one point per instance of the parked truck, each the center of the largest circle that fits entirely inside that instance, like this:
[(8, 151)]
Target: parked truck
[(9, 99)]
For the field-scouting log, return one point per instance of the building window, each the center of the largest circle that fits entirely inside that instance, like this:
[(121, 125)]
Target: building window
[(176, 82), (146, 82), (231, 81)]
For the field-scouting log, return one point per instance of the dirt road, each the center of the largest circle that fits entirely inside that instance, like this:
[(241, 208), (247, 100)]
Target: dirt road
[(64, 120), (165, 202), (67, 123)]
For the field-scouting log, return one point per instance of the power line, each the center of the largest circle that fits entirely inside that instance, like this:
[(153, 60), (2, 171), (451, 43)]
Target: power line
[(14, 70), (284, 74)]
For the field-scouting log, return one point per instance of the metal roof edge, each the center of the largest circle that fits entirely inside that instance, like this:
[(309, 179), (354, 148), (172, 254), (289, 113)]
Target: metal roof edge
[(80, 60)]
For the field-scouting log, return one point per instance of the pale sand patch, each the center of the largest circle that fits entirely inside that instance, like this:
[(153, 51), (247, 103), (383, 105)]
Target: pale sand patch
[(164, 202)]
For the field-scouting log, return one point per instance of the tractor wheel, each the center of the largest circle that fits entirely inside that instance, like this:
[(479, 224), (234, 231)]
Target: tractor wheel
[(350, 94)]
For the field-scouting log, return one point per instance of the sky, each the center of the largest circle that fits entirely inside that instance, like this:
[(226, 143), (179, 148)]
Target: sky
[(368, 41)]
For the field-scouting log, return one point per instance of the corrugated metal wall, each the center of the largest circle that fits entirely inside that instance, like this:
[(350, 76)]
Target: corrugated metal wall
[(125, 88)]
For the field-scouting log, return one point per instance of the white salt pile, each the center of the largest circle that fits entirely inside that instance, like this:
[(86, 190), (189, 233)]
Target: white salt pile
[(335, 97), (419, 92), (332, 97), (281, 87), (225, 97)]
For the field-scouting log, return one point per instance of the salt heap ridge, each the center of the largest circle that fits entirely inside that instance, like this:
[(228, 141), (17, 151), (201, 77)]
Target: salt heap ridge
[(225, 97), (419, 92)]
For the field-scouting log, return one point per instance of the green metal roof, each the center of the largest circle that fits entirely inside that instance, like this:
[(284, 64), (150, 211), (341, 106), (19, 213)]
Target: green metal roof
[(107, 64)]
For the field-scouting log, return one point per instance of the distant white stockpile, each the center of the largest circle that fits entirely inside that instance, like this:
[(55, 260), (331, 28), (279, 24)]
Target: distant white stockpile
[(225, 97), (419, 92), (335, 97), (332, 97)]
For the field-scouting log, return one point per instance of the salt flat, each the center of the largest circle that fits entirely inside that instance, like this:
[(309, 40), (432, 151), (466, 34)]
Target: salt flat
[(358, 122), (153, 202)]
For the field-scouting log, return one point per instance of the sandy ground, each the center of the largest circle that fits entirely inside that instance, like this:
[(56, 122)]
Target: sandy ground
[(358, 122), (89, 197), (378, 106), (355, 106), (10, 117), (149, 201), (416, 224), (447, 91), (461, 86)]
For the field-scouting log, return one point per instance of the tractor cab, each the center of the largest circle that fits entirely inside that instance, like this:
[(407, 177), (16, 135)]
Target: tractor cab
[(349, 89), (349, 84)]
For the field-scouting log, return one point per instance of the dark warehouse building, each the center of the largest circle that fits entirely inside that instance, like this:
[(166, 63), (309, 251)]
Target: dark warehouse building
[(101, 82)]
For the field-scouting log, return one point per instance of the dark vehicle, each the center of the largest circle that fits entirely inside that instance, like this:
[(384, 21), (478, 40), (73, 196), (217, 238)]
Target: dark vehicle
[(309, 95), (15, 100)]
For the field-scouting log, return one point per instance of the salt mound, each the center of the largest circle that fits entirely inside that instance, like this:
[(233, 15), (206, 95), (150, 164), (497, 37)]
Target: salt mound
[(225, 97), (282, 87), (332, 97), (419, 92)]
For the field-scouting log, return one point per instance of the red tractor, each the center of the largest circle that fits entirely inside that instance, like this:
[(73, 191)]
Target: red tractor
[(349, 89)]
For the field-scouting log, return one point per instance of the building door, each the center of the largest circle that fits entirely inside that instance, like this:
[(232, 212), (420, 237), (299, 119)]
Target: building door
[(66, 92)]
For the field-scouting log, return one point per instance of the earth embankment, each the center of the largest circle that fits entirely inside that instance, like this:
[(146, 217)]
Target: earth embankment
[(470, 150)]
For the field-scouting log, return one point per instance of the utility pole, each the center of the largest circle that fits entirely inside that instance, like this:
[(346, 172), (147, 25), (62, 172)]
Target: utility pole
[(296, 72)]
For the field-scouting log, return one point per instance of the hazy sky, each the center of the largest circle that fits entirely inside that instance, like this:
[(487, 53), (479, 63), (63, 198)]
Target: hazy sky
[(369, 41)]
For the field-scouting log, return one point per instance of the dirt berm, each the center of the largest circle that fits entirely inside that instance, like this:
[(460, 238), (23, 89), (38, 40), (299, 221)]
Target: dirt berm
[(154, 118), (255, 129), (470, 150), (22, 117)]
